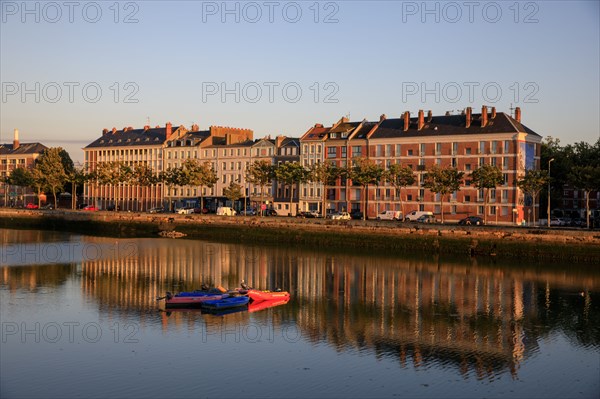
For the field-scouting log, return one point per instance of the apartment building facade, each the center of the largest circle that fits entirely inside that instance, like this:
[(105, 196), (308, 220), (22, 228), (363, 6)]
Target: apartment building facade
[(12, 156)]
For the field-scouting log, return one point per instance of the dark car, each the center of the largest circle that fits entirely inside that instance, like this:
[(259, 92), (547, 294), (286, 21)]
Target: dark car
[(356, 215), (247, 212), (113, 207), (471, 220), (306, 215), (158, 209), (270, 212)]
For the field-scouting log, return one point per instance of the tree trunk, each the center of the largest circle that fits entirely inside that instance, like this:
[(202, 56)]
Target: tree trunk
[(54, 194), (364, 202), (533, 205), (323, 199), (485, 205), (442, 206), (587, 208), (291, 198)]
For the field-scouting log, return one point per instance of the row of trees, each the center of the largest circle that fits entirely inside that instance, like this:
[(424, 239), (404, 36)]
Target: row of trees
[(573, 165)]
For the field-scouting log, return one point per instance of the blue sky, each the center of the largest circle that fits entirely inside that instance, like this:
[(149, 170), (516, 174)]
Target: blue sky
[(68, 71)]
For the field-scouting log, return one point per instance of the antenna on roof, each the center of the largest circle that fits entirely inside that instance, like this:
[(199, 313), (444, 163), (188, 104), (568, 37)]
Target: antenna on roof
[(511, 111), (148, 120), (348, 115)]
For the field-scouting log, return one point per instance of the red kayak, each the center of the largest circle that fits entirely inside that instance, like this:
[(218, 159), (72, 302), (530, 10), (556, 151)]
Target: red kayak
[(259, 296), (262, 305)]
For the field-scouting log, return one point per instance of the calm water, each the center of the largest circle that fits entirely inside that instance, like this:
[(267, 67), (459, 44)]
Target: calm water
[(79, 319)]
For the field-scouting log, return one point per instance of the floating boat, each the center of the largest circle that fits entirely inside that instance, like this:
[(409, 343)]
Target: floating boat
[(262, 305), (192, 299), (225, 303), (259, 296)]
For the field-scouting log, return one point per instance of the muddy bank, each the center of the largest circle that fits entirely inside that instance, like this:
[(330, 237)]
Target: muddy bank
[(386, 237)]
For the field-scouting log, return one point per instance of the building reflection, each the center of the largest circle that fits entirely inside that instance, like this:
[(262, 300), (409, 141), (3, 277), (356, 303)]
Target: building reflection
[(482, 320)]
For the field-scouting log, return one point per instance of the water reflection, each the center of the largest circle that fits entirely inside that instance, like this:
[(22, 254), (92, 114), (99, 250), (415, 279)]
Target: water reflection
[(481, 320)]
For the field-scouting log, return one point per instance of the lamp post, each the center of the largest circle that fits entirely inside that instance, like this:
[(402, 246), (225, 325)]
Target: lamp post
[(548, 210)]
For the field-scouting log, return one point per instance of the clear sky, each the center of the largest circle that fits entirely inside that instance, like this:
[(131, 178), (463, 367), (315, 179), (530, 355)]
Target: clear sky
[(70, 69)]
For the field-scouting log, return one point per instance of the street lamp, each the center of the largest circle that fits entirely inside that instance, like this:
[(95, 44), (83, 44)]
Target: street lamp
[(548, 210)]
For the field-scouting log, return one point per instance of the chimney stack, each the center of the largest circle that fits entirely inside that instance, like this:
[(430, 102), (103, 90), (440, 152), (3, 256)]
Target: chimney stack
[(468, 116), (518, 114), (493, 112), (195, 128), (421, 119), (406, 120), (279, 140), (169, 130), (382, 118), (429, 116), (146, 127), (484, 116), (104, 131), (114, 130), (345, 120), (16, 140)]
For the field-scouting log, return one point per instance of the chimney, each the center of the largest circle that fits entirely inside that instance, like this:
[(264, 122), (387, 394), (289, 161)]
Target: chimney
[(195, 128), (16, 140), (421, 119), (279, 140), (382, 118), (484, 116), (104, 131), (468, 115), (345, 120), (146, 127), (429, 116), (318, 125), (114, 130), (493, 112), (406, 120), (169, 130), (447, 113), (518, 114)]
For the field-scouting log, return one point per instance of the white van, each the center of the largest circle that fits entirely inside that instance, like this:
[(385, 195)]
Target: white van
[(414, 215), (226, 211), (390, 215)]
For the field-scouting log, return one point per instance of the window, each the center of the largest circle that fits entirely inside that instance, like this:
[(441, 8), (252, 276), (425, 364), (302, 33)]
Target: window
[(318, 149), (422, 149), (438, 148), (506, 146), (312, 149), (494, 147), (480, 210), (344, 152), (504, 196), (468, 167), (356, 151), (378, 150), (398, 150), (481, 161), (505, 175), (467, 198), (409, 153), (454, 148), (493, 161), (482, 147), (438, 161), (331, 153), (468, 151), (388, 150)]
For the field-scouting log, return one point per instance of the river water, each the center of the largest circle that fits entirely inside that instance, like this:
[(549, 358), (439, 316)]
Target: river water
[(79, 318)]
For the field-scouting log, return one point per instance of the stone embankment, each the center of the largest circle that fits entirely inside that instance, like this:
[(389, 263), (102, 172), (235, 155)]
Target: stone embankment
[(578, 245)]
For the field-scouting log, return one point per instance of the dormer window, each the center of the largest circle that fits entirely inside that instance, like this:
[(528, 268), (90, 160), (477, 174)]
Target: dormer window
[(344, 135), (333, 135), (101, 141), (138, 139)]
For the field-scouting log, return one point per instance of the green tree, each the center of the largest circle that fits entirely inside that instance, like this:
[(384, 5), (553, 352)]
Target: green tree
[(113, 173), (233, 192), (364, 172), (23, 178), (51, 167), (143, 176), (443, 181), (170, 178), (260, 173), (400, 177), (532, 183), (289, 174), (324, 173), (586, 178), (487, 177), (202, 175)]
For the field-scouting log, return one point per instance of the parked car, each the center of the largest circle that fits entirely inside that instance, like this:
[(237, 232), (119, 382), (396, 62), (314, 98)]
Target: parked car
[(307, 214), (247, 212), (356, 215), (92, 208), (340, 216), (113, 207), (414, 215), (426, 219), (270, 212), (471, 220), (31, 206), (81, 206), (158, 209), (390, 215), (226, 211), (188, 210), (47, 206)]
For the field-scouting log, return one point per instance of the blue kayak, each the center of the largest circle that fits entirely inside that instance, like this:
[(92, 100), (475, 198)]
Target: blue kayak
[(226, 303)]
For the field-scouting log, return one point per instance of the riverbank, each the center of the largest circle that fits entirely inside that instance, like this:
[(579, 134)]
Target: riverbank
[(388, 237)]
